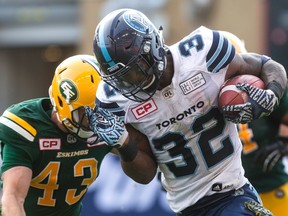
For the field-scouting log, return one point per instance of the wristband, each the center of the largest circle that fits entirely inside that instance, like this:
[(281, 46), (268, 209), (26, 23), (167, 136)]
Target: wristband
[(264, 59)]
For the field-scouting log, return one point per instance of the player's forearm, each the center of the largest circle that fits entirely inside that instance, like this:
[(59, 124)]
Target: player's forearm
[(274, 76), (271, 72), (141, 169), (11, 205), (137, 164)]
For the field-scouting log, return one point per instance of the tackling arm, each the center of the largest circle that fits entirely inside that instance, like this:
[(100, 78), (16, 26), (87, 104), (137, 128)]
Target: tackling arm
[(137, 159), (133, 147)]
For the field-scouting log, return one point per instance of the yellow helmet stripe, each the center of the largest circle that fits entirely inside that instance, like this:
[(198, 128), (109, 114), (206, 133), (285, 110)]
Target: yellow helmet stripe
[(19, 125)]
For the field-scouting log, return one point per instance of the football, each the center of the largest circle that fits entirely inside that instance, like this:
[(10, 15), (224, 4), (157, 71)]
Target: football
[(230, 95)]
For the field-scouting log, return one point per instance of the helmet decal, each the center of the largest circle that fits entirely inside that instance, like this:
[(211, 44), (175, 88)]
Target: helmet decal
[(138, 22), (68, 90)]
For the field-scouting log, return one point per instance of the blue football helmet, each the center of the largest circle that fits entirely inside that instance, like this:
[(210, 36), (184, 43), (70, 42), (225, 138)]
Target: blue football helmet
[(130, 52)]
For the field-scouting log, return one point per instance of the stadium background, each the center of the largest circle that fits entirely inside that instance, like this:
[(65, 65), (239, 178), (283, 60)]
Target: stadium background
[(36, 35)]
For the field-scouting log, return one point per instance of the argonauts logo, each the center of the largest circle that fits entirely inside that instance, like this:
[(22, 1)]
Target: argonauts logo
[(137, 22)]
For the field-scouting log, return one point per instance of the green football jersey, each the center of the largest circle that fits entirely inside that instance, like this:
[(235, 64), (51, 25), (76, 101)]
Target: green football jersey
[(255, 136), (63, 167)]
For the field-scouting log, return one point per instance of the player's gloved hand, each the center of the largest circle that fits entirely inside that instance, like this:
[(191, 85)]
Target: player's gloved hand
[(261, 103), (244, 113), (257, 209), (107, 126), (271, 154)]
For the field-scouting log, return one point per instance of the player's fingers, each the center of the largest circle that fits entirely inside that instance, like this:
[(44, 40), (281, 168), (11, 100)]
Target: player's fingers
[(233, 108), (244, 87)]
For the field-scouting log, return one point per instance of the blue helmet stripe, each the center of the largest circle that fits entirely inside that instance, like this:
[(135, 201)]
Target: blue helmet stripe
[(103, 48)]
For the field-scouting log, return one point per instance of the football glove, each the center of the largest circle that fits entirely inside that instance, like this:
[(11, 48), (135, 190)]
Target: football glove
[(257, 208), (244, 113), (107, 126), (261, 103), (271, 154)]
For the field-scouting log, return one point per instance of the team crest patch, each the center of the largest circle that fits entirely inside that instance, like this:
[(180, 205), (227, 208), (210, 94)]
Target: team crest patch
[(192, 84), (144, 109), (68, 90), (50, 144)]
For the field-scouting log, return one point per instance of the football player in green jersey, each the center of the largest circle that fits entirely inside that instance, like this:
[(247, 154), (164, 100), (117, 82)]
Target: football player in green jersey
[(263, 149), (50, 154)]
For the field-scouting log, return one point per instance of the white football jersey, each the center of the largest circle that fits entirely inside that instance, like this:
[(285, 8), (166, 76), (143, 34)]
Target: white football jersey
[(198, 151)]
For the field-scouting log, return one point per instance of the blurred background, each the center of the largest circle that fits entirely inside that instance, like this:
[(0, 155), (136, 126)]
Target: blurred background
[(36, 35)]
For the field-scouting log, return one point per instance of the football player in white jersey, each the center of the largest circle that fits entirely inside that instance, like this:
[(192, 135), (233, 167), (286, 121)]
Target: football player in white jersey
[(170, 94)]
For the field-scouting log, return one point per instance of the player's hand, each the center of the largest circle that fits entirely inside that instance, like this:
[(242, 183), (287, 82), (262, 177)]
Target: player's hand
[(261, 103), (271, 154), (107, 126), (244, 113)]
